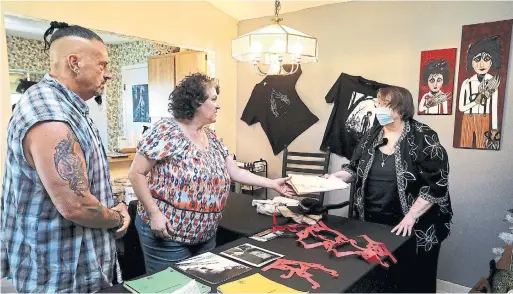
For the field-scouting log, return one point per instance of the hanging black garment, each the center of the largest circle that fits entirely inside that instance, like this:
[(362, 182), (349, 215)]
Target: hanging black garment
[(352, 114), (275, 104)]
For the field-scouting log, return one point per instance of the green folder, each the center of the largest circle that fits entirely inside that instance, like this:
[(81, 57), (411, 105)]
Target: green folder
[(166, 281)]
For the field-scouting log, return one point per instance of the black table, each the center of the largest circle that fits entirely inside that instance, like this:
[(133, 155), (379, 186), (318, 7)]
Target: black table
[(240, 218), (353, 271)]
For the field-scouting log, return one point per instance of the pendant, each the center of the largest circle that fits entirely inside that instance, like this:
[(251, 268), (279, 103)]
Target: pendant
[(383, 164)]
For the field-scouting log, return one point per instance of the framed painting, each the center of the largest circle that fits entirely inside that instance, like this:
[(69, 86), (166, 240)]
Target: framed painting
[(141, 112), (481, 83), (436, 81)]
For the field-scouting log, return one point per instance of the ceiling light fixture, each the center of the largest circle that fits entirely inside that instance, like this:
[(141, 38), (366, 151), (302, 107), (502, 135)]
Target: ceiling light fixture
[(271, 47)]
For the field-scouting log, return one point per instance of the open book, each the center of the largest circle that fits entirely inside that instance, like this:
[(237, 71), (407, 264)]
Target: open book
[(306, 184)]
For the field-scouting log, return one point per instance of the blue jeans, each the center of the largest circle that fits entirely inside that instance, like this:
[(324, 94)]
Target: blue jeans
[(160, 253)]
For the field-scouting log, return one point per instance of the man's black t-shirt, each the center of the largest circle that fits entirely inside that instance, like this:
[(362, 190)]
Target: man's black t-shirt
[(352, 114), (276, 105)]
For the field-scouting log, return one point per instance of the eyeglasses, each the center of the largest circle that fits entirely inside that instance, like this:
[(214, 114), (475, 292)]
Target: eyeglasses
[(380, 103)]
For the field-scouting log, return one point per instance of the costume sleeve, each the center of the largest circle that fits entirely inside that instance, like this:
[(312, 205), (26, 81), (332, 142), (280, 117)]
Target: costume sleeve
[(352, 166), (334, 92), (463, 95), (433, 166), (250, 113)]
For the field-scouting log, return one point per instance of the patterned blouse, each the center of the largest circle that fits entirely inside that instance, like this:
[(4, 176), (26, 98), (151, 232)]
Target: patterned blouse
[(422, 168), (190, 186)]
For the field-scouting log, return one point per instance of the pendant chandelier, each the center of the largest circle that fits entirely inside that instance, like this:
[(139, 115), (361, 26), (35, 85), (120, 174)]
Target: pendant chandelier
[(271, 47)]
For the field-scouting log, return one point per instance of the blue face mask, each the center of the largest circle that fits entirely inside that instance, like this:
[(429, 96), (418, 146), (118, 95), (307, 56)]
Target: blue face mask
[(384, 116)]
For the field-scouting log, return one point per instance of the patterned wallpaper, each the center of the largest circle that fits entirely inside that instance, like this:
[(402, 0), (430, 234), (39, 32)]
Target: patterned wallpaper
[(26, 54), (122, 55)]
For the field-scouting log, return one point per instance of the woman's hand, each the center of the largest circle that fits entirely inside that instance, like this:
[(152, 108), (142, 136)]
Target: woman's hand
[(160, 225), (281, 186), (405, 226)]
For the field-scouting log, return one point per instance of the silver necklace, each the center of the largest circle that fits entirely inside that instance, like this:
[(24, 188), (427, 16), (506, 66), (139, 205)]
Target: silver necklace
[(383, 158)]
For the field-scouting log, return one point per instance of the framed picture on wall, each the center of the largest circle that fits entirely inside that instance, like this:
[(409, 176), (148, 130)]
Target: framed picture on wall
[(140, 103), (436, 81), (481, 83)]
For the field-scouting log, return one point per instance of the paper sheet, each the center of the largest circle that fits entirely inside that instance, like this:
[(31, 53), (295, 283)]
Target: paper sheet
[(306, 184)]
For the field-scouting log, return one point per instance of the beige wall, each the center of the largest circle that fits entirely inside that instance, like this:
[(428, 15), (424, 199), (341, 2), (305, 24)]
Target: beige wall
[(176, 23), (382, 41)]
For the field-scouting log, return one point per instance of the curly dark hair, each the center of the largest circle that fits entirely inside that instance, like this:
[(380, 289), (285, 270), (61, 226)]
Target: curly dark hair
[(490, 45), (190, 94), (436, 66)]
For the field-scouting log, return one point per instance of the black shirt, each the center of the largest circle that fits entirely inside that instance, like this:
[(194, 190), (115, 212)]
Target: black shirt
[(275, 104), (381, 193), (352, 114)]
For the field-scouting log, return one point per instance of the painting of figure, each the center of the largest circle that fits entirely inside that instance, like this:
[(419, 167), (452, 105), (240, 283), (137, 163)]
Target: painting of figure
[(482, 82), (140, 103), (436, 81)]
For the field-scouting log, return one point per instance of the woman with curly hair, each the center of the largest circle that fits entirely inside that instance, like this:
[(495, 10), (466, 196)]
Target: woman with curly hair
[(181, 174)]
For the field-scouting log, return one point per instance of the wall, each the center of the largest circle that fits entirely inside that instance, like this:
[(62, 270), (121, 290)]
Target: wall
[(382, 41), (27, 54), (196, 25), (121, 55)]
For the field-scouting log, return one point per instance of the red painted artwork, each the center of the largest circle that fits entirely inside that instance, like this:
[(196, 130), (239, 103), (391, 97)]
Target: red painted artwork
[(436, 81), (482, 78)]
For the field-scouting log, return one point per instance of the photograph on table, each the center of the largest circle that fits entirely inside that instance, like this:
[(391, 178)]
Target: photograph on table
[(436, 81), (252, 255), (212, 268), (266, 235), (141, 103), (481, 84)]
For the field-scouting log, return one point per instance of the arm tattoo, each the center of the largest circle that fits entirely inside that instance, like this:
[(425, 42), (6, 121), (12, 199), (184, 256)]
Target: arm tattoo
[(98, 209), (69, 167), (113, 215)]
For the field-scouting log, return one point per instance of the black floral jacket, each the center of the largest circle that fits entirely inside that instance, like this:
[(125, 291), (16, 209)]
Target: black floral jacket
[(422, 168)]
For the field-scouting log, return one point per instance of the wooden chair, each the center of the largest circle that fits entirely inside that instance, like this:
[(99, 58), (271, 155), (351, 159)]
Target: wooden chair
[(306, 163)]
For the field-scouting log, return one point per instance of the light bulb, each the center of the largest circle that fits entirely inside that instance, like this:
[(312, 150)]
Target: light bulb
[(297, 49), (278, 46), (256, 47)]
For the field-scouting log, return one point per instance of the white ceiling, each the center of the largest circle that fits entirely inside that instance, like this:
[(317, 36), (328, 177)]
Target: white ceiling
[(241, 10), (35, 29)]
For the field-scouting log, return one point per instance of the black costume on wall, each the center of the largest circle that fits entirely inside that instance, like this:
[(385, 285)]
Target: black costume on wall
[(352, 114), (275, 104)]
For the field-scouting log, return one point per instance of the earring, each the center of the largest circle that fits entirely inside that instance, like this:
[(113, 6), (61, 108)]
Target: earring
[(76, 70)]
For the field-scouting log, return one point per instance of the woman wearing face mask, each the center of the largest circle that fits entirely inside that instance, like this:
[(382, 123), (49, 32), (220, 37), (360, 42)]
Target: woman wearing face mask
[(399, 172), (181, 175)]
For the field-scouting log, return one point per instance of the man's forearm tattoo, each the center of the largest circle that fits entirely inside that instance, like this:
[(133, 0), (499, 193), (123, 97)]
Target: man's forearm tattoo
[(69, 167), (100, 211)]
